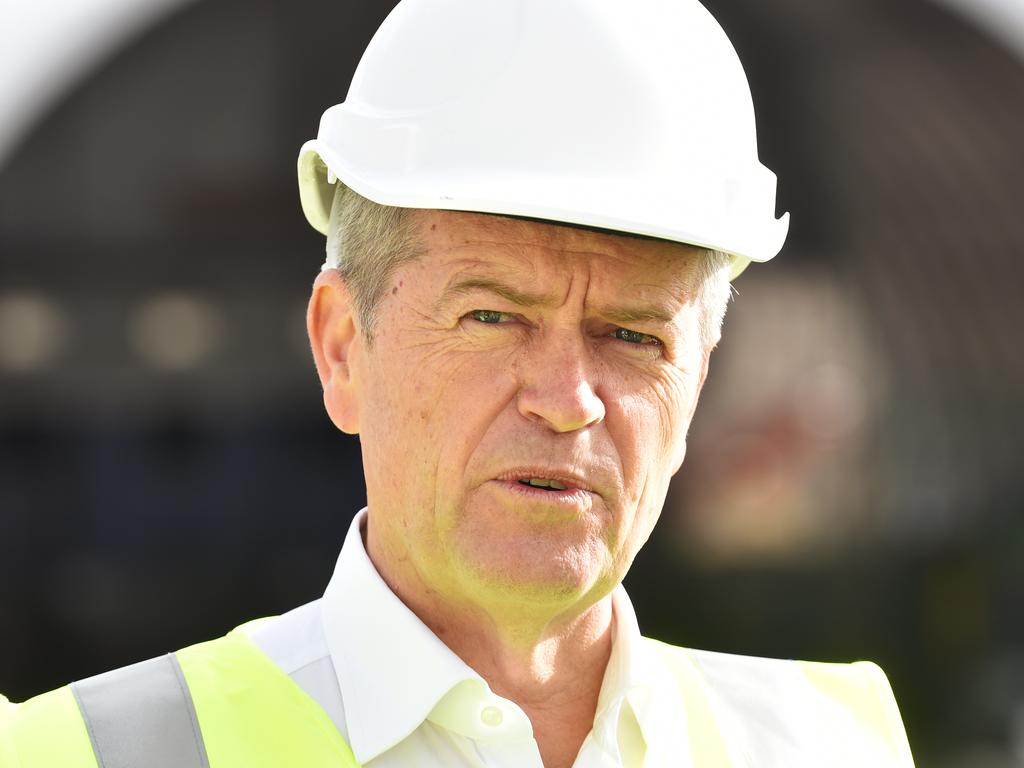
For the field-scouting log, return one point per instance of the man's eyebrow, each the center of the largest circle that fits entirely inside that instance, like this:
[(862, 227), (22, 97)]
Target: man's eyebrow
[(626, 315), (622, 315), (518, 297)]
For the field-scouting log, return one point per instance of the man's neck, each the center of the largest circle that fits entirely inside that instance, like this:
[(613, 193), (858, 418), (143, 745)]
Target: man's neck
[(556, 680), (551, 664)]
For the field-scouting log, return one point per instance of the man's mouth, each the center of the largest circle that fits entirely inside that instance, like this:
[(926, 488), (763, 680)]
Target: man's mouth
[(551, 479), (541, 482), (548, 490)]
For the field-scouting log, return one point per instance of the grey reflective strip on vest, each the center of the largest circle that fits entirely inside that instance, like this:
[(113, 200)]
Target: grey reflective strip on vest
[(142, 717)]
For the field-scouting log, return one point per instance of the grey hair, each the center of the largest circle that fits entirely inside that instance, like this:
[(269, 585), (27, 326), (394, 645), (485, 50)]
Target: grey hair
[(714, 289), (367, 242)]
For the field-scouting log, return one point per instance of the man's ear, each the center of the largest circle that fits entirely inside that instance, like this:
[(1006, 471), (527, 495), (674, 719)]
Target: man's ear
[(335, 339)]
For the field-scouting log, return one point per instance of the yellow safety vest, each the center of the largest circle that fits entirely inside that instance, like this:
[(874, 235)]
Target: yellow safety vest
[(225, 704)]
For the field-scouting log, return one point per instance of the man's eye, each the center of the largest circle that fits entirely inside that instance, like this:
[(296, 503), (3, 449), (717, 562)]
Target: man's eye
[(635, 337), (489, 316)]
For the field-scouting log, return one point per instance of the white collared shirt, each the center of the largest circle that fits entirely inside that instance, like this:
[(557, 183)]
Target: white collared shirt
[(400, 697)]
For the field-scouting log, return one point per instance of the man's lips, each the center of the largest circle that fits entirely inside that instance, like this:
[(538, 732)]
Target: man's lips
[(565, 480)]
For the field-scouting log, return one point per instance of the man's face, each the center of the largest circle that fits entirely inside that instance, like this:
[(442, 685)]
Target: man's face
[(515, 351)]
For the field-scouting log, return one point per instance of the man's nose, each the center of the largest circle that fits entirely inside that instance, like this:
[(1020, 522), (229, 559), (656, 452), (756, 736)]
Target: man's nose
[(558, 387)]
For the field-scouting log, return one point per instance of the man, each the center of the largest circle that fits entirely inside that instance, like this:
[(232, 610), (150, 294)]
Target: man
[(533, 211)]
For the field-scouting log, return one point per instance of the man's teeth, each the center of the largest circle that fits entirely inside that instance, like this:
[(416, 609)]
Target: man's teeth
[(540, 482)]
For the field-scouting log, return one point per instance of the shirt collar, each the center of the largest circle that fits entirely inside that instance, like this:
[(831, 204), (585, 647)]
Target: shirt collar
[(648, 687), (393, 671), (624, 668), (391, 668)]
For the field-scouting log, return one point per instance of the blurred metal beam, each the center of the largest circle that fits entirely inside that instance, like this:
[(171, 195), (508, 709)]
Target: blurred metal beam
[(1002, 19), (49, 47)]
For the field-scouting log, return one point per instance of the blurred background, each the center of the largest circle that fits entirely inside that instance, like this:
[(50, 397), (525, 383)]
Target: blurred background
[(854, 486)]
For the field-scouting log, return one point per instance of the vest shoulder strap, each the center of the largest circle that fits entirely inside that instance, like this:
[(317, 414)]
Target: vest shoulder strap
[(142, 715), (252, 714), (219, 704)]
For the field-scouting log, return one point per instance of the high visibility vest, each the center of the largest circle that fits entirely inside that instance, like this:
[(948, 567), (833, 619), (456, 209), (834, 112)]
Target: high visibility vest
[(224, 704)]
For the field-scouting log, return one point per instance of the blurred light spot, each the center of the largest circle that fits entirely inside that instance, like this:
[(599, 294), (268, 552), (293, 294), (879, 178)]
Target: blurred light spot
[(175, 332), (775, 468), (832, 402), (31, 331)]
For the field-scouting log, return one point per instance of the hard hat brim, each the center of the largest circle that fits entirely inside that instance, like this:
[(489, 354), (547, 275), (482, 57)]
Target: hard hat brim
[(317, 165)]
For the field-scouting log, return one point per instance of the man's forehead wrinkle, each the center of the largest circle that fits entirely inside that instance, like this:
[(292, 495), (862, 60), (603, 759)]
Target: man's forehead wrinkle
[(515, 234), (513, 260), (638, 286), (569, 233), (499, 255), (521, 247)]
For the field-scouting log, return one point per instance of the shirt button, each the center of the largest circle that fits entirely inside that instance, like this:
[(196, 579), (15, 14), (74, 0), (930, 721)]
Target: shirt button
[(491, 716)]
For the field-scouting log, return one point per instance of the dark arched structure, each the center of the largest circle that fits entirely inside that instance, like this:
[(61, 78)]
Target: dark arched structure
[(147, 503)]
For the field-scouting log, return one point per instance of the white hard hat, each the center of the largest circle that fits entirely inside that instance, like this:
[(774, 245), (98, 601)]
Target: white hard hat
[(629, 116)]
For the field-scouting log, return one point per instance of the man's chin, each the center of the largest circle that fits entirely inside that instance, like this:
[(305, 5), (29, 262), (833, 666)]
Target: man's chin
[(531, 574)]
